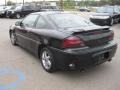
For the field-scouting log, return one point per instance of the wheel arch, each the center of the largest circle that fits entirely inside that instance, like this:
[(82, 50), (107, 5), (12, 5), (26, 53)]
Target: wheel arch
[(40, 47), (10, 31)]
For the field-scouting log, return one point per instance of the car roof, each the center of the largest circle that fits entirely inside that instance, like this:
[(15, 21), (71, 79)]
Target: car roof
[(52, 12)]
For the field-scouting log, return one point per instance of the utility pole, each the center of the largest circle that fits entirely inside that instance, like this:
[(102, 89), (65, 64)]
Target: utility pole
[(5, 2), (61, 4), (43, 2), (23, 2)]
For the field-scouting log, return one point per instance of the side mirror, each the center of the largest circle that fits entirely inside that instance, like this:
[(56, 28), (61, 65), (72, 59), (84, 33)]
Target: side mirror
[(18, 23)]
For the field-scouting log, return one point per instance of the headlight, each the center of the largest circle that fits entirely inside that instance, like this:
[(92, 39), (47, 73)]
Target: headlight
[(100, 17), (105, 17)]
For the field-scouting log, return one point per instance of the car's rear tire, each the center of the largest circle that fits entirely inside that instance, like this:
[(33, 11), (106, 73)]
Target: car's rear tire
[(18, 16), (119, 21), (13, 38), (47, 60)]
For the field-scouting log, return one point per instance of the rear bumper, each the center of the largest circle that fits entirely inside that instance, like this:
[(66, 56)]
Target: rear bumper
[(101, 22), (83, 58)]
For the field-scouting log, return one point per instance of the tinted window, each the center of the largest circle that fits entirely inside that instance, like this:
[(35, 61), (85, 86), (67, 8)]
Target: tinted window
[(8, 7), (117, 10), (27, 7), (110, 10), (105, 10), (69, 20), (18, 8), (42, 24), (29, 21), (13, 7), (2, 7), (50, 7)]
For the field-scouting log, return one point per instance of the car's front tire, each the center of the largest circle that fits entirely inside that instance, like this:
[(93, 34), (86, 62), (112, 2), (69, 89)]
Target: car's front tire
[(47, 60), (13, 38), (111, 22), (18, 16), (119, 21)]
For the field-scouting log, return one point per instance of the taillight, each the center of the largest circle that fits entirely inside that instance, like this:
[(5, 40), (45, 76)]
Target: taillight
[(111, 37), (72, 42)]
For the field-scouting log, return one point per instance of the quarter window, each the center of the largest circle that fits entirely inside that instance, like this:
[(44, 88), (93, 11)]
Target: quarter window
[(29, 21), (42, 24)]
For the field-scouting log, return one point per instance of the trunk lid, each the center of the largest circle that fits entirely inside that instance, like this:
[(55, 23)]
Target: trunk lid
[(93, 36)]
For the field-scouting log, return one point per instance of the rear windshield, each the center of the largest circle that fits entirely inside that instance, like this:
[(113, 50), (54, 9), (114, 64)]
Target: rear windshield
[(69, 20)]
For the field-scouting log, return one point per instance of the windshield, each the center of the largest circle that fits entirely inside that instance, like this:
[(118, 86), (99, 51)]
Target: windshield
[(2, 7), (8, 7), (69, 21), (13, 7), (105, 10)]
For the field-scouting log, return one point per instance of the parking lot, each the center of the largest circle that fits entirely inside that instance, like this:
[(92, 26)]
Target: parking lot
[(23, 71)]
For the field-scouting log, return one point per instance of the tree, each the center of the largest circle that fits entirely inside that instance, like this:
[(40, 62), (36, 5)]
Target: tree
[(114, 2), (111, 2), (10, 3), (69, 4)]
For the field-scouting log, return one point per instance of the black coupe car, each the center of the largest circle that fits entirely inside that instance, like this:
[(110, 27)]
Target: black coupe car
[(64, 40), (4, 10), (84, 9), (21, 11), (106, 15)]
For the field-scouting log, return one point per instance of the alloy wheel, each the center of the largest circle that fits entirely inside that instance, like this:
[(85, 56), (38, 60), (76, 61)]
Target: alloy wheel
[(46, 60), (111, 23), (13, 38), (18, 16)]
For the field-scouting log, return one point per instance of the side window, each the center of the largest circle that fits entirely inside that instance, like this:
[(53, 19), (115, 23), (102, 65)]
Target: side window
[(110, 10), (27, 8), (29, 21), (116, 10), (42, 24)]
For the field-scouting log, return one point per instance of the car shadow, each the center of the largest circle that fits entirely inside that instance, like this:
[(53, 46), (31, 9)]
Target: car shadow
[(90, 72)]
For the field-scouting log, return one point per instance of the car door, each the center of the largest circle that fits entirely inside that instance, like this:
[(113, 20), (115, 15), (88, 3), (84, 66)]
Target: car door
[(117, 13), (38, 34), (110, 10), (24, 29)]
